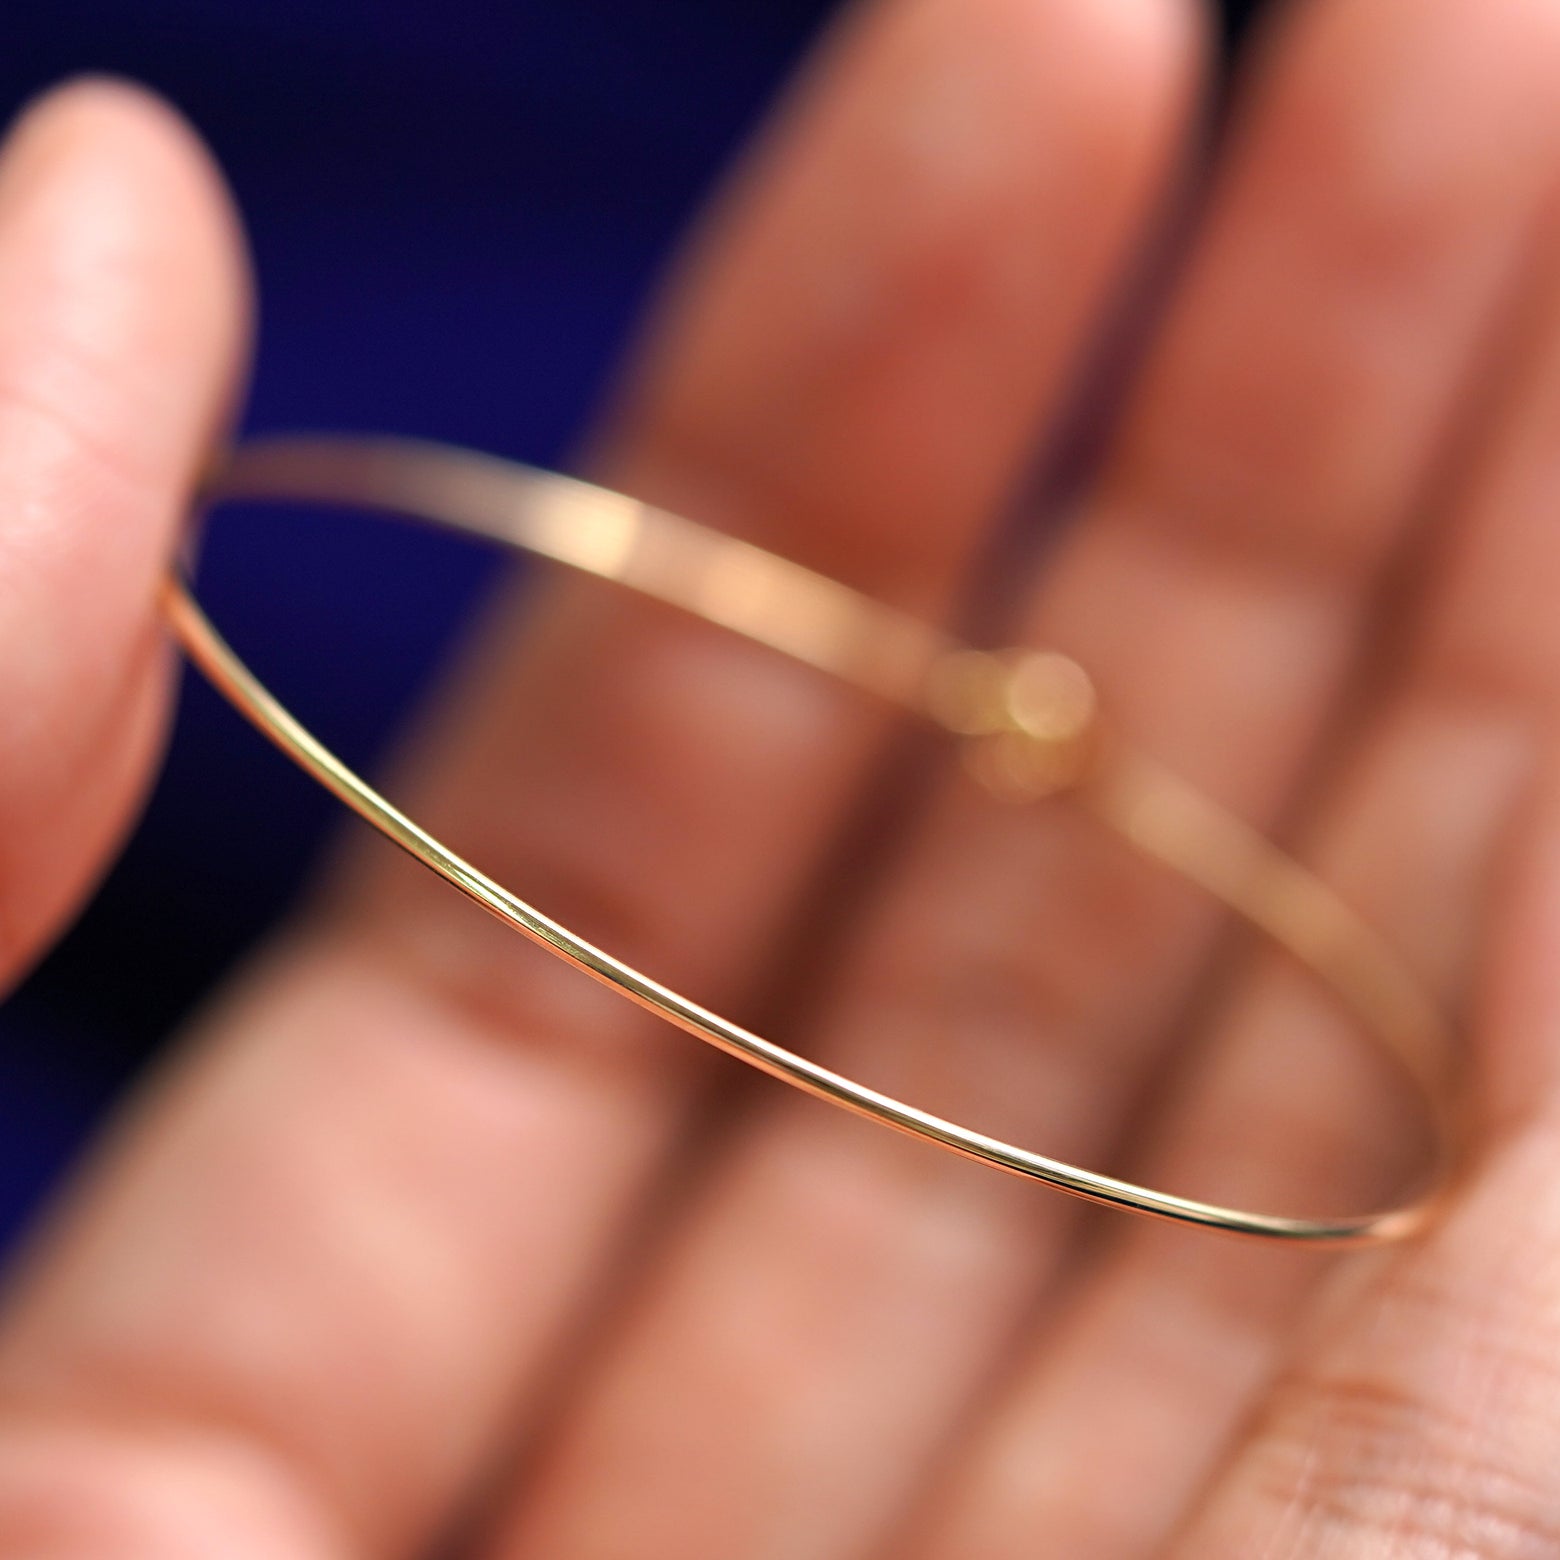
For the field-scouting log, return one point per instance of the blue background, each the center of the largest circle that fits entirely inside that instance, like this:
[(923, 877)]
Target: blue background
[(455, 211)]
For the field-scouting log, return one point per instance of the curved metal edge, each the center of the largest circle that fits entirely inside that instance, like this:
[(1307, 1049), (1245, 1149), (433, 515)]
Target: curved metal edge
[(230, 675)]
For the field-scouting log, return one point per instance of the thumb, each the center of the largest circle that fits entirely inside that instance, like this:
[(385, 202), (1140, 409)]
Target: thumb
[(123, 316)]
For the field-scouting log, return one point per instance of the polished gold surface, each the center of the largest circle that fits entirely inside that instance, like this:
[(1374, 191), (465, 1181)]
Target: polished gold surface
[(1031, 725)]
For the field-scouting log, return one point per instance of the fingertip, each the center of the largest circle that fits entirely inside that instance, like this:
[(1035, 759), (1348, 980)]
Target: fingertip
[(103, 180), (124, 321)]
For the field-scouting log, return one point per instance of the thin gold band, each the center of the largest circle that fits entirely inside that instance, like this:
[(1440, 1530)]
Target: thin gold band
[(1029, 720)]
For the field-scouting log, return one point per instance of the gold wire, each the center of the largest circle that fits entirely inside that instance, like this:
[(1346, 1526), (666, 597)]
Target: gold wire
[(1031, 714)]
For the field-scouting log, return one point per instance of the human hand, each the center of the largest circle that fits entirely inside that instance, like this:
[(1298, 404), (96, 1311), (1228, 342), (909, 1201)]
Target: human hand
[(423, 1238)]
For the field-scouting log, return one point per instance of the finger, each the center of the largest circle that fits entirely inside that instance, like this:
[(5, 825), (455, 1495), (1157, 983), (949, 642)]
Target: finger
[(1163, 1348), (1218, 589), (122, 316), (1421, 823), (1417, 1416), (355, 1235)]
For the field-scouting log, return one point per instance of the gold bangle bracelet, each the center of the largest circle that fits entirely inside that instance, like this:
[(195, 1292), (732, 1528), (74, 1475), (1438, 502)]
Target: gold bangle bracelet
[(1029, 718)]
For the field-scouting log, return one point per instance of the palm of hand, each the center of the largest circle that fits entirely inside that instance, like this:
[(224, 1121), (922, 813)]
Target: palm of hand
[(424, 1217)]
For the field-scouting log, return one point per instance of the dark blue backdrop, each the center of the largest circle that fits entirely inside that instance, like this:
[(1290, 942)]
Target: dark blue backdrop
[(454, 210)]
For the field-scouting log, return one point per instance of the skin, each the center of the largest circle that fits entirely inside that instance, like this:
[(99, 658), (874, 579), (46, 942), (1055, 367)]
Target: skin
[(418, 1239)]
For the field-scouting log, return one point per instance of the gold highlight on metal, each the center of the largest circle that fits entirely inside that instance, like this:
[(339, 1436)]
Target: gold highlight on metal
[(1029, 719)]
